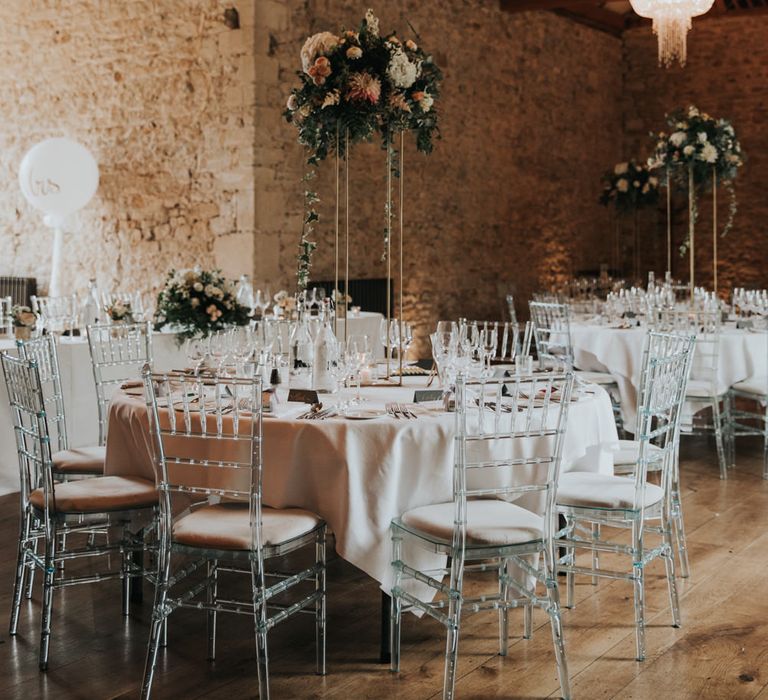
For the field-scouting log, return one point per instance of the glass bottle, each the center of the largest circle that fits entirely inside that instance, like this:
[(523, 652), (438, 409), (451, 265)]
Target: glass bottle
[(325, 356), (91, 308), (300, 355)]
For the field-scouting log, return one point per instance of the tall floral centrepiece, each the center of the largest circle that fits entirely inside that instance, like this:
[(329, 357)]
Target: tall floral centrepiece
[(699, 152), (355, 84), (360, 82), (198, 303)]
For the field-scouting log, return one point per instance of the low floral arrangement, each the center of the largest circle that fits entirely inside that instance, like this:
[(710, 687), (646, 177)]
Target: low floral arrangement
[(285, 303), (198, 303), (119, 312), (357, 83), (630, 186), (23, 317), (699, 145)]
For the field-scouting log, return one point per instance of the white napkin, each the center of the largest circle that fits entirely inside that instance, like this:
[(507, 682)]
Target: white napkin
[(288, 410)]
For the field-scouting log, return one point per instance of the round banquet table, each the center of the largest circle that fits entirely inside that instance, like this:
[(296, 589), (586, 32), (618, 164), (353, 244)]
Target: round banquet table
[(619, 351), (356, 474)]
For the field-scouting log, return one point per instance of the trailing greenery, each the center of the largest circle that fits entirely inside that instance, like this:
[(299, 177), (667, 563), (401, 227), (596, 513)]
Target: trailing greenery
[(307, 246)]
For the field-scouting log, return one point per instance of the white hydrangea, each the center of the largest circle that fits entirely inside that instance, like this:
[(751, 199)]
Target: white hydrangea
[(401, 72), (708, 153), (678, 138)]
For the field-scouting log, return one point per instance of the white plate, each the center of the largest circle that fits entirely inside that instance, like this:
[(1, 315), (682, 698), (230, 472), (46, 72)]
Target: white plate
[(364, 413)]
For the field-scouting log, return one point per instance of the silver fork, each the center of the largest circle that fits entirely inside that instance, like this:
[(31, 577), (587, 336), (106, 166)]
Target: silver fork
[(392, 410), (407, 412)]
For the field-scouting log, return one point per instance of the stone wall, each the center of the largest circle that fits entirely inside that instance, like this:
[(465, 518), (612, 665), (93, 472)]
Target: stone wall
[(161, 91), (183, 113), (726, 76), (530, 118)]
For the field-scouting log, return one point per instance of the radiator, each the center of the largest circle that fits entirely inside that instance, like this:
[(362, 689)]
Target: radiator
[(369, 295), (20, 289)]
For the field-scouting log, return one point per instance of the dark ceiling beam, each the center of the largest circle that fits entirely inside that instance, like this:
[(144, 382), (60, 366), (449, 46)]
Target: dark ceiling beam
[(528, 5), (597, 18)]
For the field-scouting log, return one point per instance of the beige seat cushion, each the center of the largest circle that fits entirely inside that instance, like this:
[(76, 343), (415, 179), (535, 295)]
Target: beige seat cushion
[(592, 490), (80, 460), (596, 377), (489, 522), (99, 495), (227, 526), (629, 452), (702, 389), (757, 385)]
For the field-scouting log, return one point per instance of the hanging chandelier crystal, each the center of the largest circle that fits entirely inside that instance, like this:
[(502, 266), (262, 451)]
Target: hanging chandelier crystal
[(671, 22)]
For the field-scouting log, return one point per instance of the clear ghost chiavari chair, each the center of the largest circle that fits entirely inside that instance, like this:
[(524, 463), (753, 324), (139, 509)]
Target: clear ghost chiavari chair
[(118, 353), (53, 512), (506, 446), (207, 436), (589, 499), (705, 389), (6, 320), (57, 314)]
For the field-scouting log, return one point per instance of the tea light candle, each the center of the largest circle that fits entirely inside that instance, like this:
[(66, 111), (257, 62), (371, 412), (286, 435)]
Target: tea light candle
[(366, 375)]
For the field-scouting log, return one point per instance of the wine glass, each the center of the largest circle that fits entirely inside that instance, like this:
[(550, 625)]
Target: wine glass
[(196, 350), (358, 355), (489, 339)]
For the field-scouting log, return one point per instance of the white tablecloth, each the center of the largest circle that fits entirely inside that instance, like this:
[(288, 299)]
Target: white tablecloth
[(743, 353), (80, 393), (358, 475)]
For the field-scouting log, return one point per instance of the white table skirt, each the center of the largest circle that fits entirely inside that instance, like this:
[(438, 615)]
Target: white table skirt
[(743, 353), (359, 475)]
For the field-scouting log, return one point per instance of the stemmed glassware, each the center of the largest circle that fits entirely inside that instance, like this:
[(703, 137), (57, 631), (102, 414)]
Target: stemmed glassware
[(357, 356)]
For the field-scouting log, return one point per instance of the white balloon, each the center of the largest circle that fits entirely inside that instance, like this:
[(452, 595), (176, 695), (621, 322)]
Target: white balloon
[(58, 176)]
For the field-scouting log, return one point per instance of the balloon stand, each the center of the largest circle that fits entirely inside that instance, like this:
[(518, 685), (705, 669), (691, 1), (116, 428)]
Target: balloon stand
[(54, 287)]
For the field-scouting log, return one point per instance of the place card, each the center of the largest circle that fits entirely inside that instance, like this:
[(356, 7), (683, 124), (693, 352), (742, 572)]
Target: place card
[(424, 395), (303, 396)]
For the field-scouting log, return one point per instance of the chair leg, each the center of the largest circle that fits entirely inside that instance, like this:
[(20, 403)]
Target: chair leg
[(553, 609), (320, 604), (47, 610), (125, 565), (21, 566), (32, 567), (717, 420), (679, 527), (669, 563), (595, 554), (527, 621), (569, 579), (260, 623), (212, 592), (452, 648), (765, 443), (395, 617), (159, 618), (503, 610), (639, 589), (731, 424)]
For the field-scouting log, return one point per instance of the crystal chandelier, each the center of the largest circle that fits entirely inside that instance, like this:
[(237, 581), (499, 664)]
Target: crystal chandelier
[(671, 22)]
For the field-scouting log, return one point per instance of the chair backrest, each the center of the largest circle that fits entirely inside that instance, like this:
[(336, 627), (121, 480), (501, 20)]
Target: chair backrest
[(57, 314), (509, 439), (119, 352), (30, 425), (6, 322), (206, 434), (705, 325), (511, 308), (662, 396), (507, 337), (133, 300), (43, 352), (552, 332)]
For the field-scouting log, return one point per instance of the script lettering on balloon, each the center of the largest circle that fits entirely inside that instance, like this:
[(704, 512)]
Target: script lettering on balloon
[(42, 187)]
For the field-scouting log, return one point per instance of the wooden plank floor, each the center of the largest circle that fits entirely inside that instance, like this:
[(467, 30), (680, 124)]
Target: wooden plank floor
[(720, 652)]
